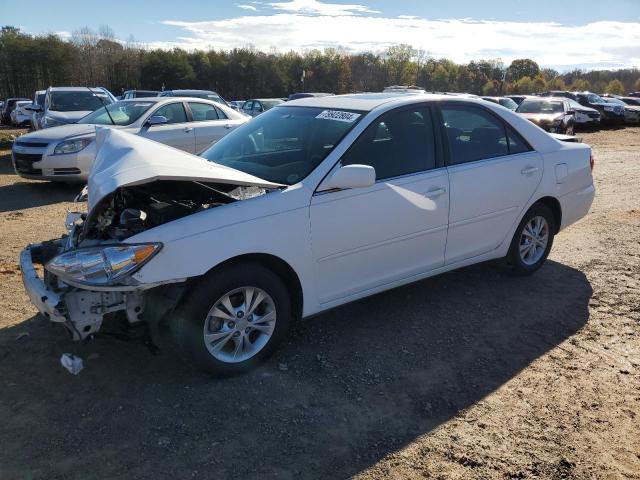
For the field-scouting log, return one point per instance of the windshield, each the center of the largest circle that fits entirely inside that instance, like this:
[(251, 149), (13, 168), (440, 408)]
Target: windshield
[(593, 98), (40, 99), (123, 113), (575, 105), (269, 104), (508, 103), (77, 101), (536, 106), (284, 144)]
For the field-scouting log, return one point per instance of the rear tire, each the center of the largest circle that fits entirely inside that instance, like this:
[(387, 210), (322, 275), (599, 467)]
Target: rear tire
[(233, 319), (532, 240)]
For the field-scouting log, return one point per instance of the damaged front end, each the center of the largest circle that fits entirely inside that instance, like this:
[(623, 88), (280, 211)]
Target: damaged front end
[(88, 274), (80, 310)]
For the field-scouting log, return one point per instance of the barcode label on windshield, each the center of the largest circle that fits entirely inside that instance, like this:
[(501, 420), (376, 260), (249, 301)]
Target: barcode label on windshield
[(340, 116)]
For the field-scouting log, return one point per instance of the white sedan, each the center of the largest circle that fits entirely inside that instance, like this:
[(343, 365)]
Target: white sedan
[(315, 203), (66, 153)]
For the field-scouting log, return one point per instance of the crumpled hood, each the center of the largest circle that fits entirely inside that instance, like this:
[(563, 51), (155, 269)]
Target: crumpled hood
[(68, 117), (124, 159)]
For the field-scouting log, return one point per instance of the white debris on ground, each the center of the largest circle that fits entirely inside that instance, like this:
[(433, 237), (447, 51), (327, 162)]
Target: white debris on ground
[(72, 363)]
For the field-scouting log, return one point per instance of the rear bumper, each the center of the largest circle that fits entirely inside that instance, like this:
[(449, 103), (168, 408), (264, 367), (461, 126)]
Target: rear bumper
[(576, 205)]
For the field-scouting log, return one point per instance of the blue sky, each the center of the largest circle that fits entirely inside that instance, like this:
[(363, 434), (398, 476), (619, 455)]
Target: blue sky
[(561, 33)]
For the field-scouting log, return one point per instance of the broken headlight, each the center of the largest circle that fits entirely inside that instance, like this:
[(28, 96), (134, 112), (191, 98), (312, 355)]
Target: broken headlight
[(105, 265)]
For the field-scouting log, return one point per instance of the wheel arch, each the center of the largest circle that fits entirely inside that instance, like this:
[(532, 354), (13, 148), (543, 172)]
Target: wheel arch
[(278, 266), (554, 205)]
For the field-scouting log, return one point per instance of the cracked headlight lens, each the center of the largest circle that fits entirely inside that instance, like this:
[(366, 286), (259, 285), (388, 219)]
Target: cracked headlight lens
[(71, 146), (106, 265)]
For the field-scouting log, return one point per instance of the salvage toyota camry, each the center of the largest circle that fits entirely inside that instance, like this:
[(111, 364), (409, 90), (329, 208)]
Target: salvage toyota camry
[(311, 205)]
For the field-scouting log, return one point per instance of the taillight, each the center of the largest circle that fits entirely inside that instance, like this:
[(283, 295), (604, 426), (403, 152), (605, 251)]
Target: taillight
[(592, 161)]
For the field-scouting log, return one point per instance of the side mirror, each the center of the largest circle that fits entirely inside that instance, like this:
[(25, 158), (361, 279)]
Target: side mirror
[(350, 176), (156, 120)]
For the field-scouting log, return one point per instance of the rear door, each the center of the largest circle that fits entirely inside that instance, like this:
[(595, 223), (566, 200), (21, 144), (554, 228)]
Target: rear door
[(178, 132), (493, 173), (209, 123)]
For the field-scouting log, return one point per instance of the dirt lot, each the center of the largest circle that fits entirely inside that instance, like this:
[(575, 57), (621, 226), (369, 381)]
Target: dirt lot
[(471, 374)]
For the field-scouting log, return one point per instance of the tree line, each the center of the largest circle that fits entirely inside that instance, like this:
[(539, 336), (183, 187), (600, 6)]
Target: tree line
[(90, 58)]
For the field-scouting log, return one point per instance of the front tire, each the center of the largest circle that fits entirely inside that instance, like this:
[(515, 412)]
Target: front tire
[(233, 319), (532, 240)]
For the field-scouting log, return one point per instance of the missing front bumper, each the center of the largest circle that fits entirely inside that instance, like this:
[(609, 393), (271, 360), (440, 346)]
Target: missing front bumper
[(80, 311)]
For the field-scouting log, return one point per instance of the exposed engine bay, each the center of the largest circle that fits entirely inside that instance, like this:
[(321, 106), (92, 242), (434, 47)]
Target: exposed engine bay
[(134, 209), (125, 212)]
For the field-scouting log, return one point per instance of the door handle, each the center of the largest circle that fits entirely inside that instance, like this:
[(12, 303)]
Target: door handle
[(188, 129), (435, 192), (228, 126), (529, 170)]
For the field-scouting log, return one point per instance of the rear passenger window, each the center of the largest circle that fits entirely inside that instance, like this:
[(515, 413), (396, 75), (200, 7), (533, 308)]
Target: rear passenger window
[(221, 114), (473, 134), (397, 143), (516, 143), (203, 111)]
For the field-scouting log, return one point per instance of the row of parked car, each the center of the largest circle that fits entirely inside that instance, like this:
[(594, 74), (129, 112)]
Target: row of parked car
[(563, 111), (57, 106), (191, 120)]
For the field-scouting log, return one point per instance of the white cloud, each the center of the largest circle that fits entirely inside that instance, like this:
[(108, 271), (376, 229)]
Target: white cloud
[(315, 7), (303, 24), (247, 7)]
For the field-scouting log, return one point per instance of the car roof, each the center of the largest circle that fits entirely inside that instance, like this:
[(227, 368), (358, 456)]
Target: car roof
[(71, 89), (365, 101), (266, 99), (168, 100), (191, 90)]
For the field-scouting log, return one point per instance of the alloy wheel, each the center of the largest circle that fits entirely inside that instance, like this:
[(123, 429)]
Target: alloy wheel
[(534, 240), (239, 324)]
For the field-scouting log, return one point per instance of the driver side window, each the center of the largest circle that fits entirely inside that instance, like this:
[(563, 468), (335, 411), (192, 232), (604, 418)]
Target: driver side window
[(397, 143)]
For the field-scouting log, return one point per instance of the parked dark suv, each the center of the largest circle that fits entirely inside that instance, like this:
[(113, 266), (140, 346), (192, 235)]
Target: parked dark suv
[(611, 114)]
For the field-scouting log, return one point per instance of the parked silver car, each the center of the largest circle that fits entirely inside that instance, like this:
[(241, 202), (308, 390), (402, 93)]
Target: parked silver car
[(20, 116), (67, 153)]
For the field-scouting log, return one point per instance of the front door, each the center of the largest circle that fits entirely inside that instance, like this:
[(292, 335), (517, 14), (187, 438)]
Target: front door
[(178, 132), (365, 238)]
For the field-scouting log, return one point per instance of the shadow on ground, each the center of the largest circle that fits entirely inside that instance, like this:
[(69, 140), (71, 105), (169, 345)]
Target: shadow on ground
[(348, 387)]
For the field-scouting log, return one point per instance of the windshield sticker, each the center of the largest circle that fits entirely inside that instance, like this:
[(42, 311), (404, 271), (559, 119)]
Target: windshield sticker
[(348, 117)]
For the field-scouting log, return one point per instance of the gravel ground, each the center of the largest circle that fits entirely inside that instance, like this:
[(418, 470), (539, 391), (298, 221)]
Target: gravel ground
[(472, 374)]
